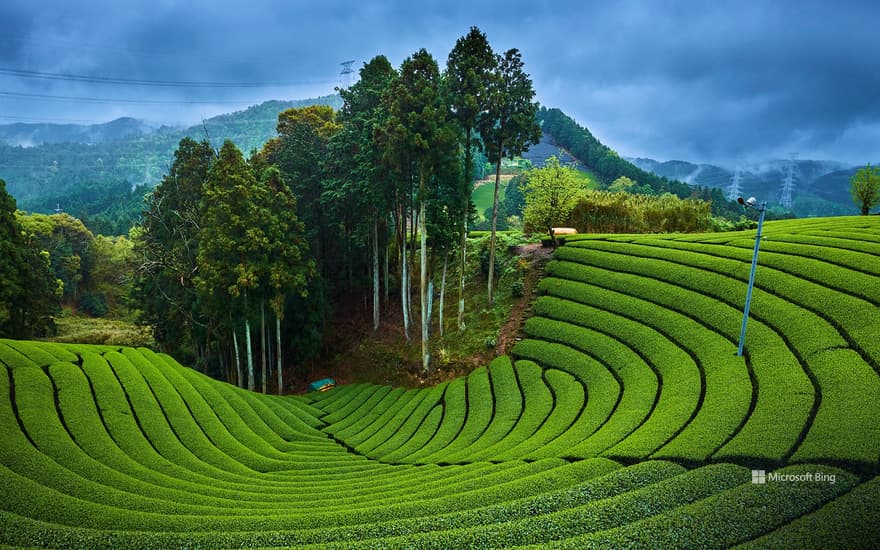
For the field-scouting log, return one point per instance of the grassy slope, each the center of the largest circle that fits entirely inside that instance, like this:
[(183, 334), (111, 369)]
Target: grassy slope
[(627, 371)]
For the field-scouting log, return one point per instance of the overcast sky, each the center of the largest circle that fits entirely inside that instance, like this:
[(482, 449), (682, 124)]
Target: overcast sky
[(702, 81)]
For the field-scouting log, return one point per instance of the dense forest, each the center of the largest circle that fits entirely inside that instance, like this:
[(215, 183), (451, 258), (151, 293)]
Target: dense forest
[(336, 203)]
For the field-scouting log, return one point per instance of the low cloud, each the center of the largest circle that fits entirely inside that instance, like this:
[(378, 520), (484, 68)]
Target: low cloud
[(678, 80)]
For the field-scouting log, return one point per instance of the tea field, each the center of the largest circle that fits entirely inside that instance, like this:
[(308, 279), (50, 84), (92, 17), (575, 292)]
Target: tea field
[(623, 418)]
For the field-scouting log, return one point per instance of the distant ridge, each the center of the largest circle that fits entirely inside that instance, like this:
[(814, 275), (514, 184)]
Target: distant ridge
[(32, 134), (821, 186), (41, 162)]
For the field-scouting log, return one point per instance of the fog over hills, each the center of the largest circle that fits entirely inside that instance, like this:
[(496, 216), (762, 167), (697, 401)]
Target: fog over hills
[(32, 134), (820, 187), (41, 161)]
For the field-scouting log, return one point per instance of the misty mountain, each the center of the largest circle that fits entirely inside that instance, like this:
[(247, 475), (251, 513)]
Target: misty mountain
[(32, 134), (122, 154), (820, 188)]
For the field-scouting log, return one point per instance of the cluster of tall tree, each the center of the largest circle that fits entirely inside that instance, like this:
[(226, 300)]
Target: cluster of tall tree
[(381, 190), (219, 245)]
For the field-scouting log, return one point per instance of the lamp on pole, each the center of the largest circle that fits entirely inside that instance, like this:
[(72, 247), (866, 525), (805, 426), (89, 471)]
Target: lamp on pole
[(751, 202)]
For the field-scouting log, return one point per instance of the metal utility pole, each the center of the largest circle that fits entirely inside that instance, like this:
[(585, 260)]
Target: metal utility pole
[(788, 183), (346, 75), (751, 203), (734, 191)]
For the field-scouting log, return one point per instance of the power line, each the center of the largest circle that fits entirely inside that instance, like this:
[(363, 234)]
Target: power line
[(63, 98), (95, 122), (45, 120), (146, 82)]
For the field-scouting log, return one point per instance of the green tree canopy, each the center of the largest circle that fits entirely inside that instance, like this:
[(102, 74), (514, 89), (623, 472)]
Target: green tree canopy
[(468, 69), (551, 192), (166, 247), (508, 126), (865, 188), (29, 292)]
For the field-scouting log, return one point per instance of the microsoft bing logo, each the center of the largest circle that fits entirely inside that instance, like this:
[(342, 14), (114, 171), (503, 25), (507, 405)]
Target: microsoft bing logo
[(759, 477)]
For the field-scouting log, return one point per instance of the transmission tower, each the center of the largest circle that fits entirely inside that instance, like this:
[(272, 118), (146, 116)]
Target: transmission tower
[(788, 183), (734, 190), (346, 75)]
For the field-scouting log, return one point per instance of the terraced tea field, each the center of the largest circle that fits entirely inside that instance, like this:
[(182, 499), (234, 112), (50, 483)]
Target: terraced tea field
[(623, 418)]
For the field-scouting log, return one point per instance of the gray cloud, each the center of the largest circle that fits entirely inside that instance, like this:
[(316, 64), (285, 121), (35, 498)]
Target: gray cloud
[(681, 79)]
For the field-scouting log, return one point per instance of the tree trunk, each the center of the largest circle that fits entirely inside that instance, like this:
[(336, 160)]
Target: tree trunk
[(278, 354), (430, 309), (423, 279), (270, 357), (492, 238), (404, 278), (387, 273), (240, 380), (412, 260), (461, 325), (466, 198), (263, 357), (376, 273), (443, 290), (250, 353), (348, 259)]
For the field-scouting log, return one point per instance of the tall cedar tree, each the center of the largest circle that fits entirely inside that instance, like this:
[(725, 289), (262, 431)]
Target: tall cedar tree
[(290, 269), (508, 127), (166, 246), (300, 151), (234, 249), (361, 181), (419, 121), (468, 67)]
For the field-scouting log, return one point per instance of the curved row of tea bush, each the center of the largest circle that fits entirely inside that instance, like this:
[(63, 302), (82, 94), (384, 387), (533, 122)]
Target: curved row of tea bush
[(623, 418)]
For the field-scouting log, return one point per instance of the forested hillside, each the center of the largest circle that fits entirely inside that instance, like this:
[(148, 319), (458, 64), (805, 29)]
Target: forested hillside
[(105, 181), (608, 165)]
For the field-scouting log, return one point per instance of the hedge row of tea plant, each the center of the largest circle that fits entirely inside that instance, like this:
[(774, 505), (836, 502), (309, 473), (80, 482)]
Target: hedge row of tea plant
[(622, 418)]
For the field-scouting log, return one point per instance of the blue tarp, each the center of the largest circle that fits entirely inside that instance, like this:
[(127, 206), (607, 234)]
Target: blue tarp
[(323, 384)]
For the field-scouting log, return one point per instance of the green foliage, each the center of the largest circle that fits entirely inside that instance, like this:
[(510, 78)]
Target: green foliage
[(168, 244), (104, 183), (607, 165), (158, 455), (865, 188), (551, 192), (29, 293), (621, 212), (468, 68)]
